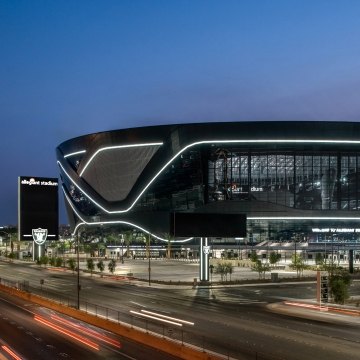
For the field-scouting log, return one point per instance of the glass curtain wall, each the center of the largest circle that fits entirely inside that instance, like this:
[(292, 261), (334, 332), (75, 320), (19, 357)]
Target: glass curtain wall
[(302, 181)]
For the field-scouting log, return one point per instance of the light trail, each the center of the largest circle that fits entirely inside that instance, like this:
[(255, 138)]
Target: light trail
[(167, 317), (67, 332), (87, 331), (155, 318), (10, 352), (324, 308)]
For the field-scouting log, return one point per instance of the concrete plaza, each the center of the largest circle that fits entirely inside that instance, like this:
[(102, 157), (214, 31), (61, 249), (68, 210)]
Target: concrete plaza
[(186, 271)]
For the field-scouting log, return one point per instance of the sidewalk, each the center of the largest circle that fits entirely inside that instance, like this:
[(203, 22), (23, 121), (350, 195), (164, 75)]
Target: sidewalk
[(310, 309), (180, 271)]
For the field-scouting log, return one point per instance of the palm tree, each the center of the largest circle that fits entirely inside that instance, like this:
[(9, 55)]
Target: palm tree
[(101, 266), (128, 235), (169, 239), (71, 264), (90, 265), (112, 266)]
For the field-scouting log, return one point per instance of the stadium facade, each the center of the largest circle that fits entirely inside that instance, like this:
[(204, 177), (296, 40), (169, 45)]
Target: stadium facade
[(293, 180)]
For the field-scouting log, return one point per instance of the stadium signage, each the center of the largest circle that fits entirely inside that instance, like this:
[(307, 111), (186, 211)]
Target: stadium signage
[(335, 230), (39, 235), (256, 189), (38, 211), (206, 249), (33, 181)]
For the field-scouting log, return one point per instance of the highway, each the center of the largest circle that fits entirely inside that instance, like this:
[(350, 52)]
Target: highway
[(236, 321), (31, 332)]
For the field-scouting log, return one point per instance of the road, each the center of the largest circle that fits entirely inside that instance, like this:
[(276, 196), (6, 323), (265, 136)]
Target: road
[(231, 320), (32, 332)]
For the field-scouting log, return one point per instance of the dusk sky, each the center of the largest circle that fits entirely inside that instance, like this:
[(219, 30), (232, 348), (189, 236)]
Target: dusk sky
[(69, 68)]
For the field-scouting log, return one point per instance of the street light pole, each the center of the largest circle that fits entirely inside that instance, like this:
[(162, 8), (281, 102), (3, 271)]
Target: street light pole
[(149, 255), (122, 248), (78, 271)]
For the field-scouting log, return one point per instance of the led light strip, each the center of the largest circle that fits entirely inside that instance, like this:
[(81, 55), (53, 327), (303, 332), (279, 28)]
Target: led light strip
[(276, 141), (206, 262), (75, 153), (202, 277), (116, 222), (274, 218), (116, 147), (27, 235), (302, 218)]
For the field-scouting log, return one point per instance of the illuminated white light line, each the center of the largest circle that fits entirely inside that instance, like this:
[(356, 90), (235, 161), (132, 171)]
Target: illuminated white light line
[(356, 142), (201, 254), (167, 317), (206, 258), (84, 222), (138, 304), (116, 147), (302, 218), (186, 240), (75, 153), (27, 235), (155, 318), (88, 196)]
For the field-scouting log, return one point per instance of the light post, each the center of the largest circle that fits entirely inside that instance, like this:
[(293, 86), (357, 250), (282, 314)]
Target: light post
[(78, 271), (332, 252), (122, 248), (239, 248), (78, 286), (147, 243), (325, 252)]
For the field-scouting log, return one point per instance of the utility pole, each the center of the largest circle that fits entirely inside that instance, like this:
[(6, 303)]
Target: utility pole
[(149, 256), (78, 270)]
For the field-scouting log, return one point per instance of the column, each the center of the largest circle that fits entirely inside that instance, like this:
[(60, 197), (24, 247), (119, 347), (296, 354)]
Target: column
[(204, 259)]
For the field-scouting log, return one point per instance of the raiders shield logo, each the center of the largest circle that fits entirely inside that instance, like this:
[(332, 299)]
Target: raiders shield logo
[(39, 235), (206, 250)]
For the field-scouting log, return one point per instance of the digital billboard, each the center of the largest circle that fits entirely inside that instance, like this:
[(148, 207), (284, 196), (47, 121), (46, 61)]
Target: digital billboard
[(207, 224), (38, 208)]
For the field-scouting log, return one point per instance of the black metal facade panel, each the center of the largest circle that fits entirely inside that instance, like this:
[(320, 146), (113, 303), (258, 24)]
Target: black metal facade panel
[(114, 172)]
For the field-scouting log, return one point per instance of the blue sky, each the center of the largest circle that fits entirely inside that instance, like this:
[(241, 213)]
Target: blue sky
[(69, 68)]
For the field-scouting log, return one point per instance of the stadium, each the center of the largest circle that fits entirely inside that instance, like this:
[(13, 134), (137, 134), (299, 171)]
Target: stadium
[(296, 182)]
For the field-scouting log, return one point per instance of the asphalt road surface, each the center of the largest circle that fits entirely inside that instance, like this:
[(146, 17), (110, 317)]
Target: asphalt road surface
[(31, 332), (237, 321)]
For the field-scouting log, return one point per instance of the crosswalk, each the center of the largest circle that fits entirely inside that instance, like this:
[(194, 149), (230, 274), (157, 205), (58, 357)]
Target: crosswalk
[(220, 296)]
